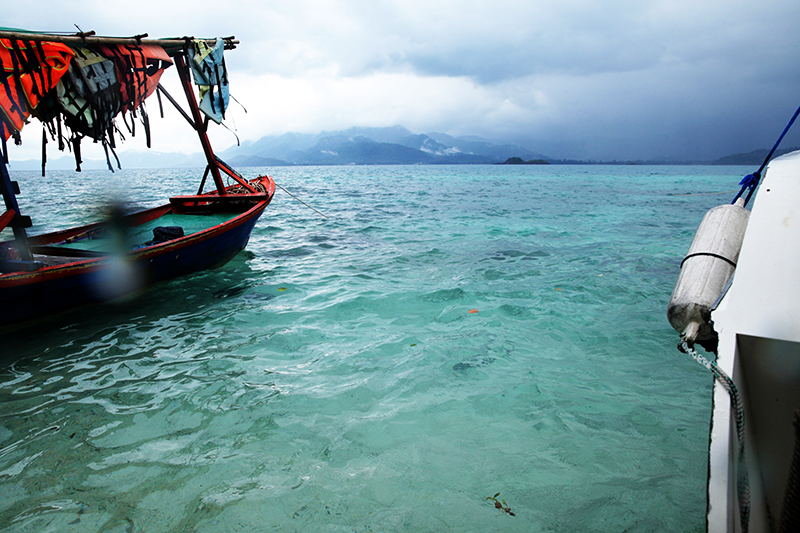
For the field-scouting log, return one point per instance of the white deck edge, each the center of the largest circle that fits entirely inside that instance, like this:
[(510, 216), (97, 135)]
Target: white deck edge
[(762, 302)]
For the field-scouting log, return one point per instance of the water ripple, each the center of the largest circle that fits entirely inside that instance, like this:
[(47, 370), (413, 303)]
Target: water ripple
[(385, 369)]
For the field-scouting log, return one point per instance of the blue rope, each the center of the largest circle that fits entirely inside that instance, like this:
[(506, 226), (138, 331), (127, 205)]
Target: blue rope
[(751, 180)]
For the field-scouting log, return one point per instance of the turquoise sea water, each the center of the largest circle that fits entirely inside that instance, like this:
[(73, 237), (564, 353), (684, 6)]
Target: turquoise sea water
[(448, 333)]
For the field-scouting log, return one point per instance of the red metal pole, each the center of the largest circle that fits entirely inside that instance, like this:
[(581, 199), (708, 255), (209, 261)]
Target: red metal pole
[(199, 123)]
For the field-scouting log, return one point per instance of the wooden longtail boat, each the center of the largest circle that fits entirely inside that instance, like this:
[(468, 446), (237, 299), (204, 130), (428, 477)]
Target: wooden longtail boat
[(48, 273)]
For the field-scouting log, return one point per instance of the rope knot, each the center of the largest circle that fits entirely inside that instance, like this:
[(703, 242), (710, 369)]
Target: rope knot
[(751, 180)]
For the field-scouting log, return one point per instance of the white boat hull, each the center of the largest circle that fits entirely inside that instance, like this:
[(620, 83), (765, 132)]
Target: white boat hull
[(758, 323)]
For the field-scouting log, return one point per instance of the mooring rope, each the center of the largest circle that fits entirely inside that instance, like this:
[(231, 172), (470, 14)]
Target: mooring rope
[(239, 189), (299, 200), (742, 481), (751, 180)]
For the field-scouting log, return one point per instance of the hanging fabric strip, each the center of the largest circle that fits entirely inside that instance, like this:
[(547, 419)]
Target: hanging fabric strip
[(138, 69), (28, 71), (211, 77)]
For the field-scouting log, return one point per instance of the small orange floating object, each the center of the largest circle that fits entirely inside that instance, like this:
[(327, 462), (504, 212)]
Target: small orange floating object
[(559, 289), (473, 311)]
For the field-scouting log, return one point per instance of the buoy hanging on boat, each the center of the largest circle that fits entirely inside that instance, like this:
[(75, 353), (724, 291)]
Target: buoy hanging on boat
[(706, 270)]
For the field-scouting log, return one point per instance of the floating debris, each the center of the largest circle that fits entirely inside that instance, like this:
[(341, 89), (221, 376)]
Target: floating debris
[(502, 506), (473, 311)]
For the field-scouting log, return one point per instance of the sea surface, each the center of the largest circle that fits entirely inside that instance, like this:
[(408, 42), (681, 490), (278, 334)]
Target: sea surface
[(429, 338)]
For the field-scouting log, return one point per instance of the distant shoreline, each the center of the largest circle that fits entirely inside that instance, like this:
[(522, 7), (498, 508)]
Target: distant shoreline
[(157, 160), (520, 161), (101, 165)]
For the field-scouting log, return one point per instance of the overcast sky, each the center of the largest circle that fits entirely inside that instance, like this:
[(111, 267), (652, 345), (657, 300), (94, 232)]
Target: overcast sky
[(568, 78)]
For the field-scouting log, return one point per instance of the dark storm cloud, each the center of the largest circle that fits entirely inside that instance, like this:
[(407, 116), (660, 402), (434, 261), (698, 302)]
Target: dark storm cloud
[(616, 79)]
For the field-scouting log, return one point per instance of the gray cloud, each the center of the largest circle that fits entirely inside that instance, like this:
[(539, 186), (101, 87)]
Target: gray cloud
[(623, 78)]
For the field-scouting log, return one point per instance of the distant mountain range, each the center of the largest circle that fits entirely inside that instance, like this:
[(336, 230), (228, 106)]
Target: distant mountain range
[(755, 157), (371, 146), (394, 145)]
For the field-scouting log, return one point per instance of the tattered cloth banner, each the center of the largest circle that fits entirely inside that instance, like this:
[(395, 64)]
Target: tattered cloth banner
[(28, 70), (211, 77), (139, 69), (89, 95)]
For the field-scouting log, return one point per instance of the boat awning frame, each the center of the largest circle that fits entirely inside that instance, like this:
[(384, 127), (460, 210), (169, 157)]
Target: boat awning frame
[(176, 48)]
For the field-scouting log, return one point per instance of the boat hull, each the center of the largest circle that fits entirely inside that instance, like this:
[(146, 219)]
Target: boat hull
[(50, 289), (758, 322)]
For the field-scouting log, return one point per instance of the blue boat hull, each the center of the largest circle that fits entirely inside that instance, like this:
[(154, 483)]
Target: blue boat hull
[(50, 289)]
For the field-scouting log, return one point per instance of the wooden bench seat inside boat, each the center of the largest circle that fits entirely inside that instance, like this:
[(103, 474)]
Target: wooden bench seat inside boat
[(63, 251)]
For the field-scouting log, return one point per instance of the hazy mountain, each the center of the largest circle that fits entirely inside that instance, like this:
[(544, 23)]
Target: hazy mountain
[(479, 146), (360, 146), (254, 161), (754, 158), (390, 134), (376, 146), (283, 147), (361, 150), (426, 144)]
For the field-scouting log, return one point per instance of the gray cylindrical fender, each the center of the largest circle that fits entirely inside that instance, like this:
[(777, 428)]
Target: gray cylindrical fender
[(705, 271)]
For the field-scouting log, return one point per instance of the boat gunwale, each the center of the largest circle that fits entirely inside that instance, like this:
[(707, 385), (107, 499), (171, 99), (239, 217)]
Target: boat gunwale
[(92, 263)]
